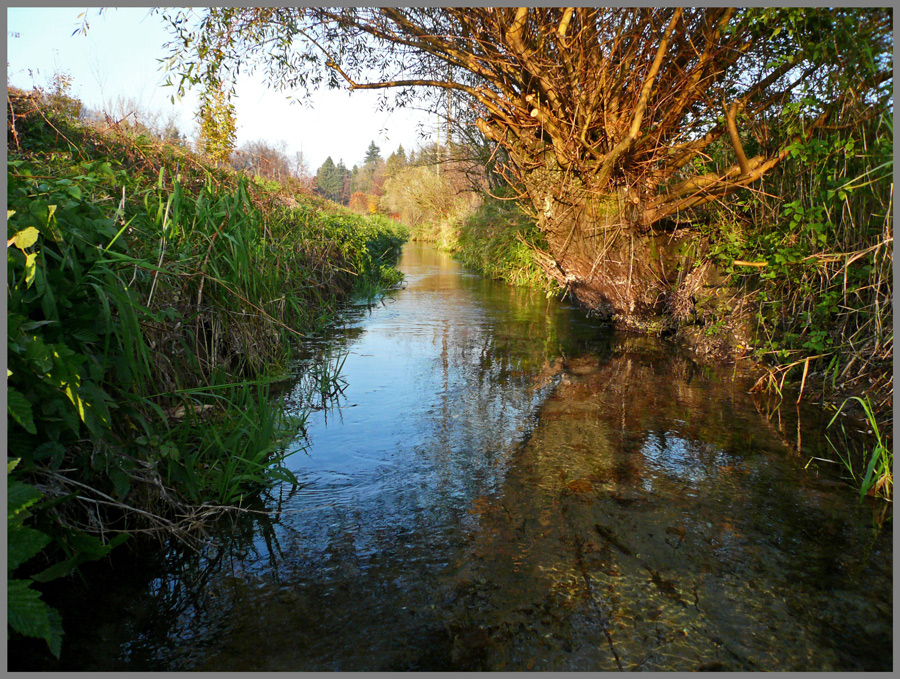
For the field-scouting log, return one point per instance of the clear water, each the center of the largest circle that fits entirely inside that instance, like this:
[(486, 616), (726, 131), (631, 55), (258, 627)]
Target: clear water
[(505, 485)]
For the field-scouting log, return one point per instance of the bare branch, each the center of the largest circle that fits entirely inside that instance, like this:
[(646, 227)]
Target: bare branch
[(736, 139), (623, 145)]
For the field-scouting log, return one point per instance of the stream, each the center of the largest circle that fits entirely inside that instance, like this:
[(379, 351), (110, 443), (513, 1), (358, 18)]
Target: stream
[(502, 484)]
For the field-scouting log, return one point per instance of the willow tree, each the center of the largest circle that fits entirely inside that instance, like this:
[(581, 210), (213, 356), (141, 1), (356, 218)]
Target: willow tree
[(607, 117)]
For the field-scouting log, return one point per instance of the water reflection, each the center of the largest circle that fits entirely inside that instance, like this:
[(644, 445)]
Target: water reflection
[(669, 529), (442, 386), (444, 381), (503, 485)]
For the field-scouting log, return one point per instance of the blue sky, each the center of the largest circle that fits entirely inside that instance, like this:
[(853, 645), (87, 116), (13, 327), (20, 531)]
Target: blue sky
[(118, 57)]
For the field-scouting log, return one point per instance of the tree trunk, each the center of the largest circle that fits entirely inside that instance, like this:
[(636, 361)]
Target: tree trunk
[(600, 250)]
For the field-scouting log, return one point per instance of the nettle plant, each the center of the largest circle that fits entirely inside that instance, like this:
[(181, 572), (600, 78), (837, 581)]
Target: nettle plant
[(55, 393), (57, 315)]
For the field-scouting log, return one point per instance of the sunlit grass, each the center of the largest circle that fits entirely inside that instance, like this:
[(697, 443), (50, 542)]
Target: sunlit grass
[(152, 303)]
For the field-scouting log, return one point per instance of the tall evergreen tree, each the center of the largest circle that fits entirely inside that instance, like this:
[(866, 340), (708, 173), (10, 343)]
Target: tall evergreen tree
[(395, 162), (373, 154), (329, 181)]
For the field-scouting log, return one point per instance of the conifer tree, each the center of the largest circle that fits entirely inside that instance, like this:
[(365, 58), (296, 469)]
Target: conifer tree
[(373, 154), (326, 180)]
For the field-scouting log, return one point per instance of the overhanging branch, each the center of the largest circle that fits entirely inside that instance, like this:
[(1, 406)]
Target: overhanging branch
[(707, 188)]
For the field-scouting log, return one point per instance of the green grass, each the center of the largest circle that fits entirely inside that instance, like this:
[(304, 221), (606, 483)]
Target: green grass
[(876, 476), (497, 240)]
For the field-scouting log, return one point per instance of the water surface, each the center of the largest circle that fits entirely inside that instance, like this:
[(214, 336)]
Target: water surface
[(503, 484)]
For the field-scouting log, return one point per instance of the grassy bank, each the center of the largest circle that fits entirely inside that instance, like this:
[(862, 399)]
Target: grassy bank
[(152, 301), (494, 239)]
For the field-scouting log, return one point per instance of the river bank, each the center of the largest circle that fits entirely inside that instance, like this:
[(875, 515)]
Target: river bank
[(154, 299), (724, 312)]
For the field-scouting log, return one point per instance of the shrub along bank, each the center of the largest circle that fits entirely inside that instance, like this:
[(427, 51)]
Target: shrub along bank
[(500, 241), (495, 239), (152, 301)]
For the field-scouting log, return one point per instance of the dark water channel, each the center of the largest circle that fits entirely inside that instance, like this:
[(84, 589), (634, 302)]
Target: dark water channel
[(503, 485)]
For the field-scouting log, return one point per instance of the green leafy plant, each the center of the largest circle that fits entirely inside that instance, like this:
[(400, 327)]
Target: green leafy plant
[(820, 258), (152, 300), (246, 278), (26, 612), (498, 240)]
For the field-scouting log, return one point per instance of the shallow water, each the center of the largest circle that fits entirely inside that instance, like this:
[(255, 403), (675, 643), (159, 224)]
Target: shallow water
[(505, 485)]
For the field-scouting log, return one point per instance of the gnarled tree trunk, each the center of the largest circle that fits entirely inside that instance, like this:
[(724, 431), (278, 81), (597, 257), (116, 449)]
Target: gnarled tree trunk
[(596, 253)]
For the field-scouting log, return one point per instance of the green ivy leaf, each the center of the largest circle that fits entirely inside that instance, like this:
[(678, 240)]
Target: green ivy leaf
[(38, 354)]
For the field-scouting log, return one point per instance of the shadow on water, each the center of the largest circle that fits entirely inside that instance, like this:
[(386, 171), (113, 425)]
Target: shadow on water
[(501, 484)]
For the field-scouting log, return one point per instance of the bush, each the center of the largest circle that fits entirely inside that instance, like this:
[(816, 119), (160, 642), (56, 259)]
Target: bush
[(498, 240), (359, 202)]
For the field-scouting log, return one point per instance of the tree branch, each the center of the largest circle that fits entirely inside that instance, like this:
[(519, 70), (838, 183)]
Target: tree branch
[(708, 188), (736, 139), (564, 23), (623, 145)]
